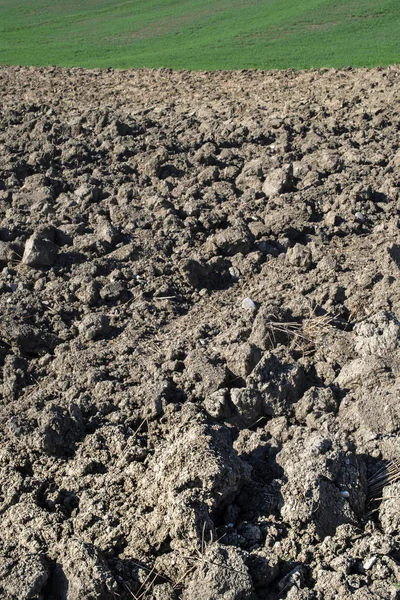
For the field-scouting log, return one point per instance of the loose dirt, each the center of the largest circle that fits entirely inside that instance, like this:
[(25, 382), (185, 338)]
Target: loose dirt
[(199, 336)]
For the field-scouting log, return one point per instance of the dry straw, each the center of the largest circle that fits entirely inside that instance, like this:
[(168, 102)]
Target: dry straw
[(386, 475), (304, 336)]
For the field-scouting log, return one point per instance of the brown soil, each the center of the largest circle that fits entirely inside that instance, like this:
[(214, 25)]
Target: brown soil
[(200, 334)]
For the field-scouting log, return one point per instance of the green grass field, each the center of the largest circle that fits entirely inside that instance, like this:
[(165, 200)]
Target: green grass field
[(200, 34)]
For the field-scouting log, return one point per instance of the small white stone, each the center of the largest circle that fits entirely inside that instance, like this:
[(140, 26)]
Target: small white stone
[(360, 217), (234, 273), (345, 494), (248, 304), (370, 562)]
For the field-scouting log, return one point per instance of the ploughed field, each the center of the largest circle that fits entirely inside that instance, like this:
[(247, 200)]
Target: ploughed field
[(199, 335)]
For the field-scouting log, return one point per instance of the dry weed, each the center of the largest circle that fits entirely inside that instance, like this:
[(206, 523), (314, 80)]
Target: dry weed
[(304, 336), (386, 475)]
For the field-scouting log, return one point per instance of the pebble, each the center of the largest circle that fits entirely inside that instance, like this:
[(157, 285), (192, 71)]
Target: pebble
[(360, 217), (370, 562), (248, 304), (234, 273)]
